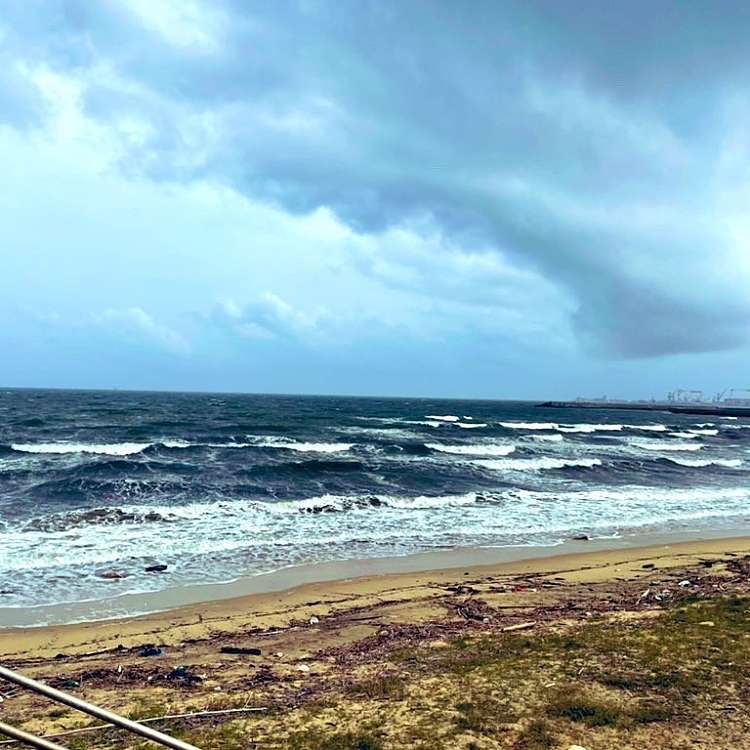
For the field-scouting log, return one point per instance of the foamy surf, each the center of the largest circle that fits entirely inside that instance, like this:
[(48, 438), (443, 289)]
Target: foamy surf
[(473, 450), (729, 463), (305, 447), (589, 428), (538, 464), (668, 446), (107, 449)]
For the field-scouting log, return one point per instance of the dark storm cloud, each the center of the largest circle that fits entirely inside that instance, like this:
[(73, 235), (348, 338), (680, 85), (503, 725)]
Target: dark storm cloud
[(599, 145)]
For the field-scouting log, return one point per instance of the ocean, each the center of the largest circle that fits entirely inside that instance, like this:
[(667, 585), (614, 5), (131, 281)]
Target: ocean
[(97, 486)]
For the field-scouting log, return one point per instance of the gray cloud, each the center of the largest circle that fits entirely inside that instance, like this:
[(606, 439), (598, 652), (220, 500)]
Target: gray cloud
[(598, 148)]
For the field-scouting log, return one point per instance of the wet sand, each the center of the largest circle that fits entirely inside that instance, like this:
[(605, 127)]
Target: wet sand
[(409, 582)]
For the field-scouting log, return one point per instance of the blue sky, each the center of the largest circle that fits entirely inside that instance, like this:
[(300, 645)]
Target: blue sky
[(516, 199)]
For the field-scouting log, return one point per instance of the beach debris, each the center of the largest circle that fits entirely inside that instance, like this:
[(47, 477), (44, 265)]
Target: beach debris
[(314, 620), (475, 609), (580, 538), (576, 747), (303, 667), (159, 568), (459, 589), (148, 649), (518, 626), (240, 650), (648, 566), (685, 583), (184, 675), (279, 654), (65, 683), (707, 623)]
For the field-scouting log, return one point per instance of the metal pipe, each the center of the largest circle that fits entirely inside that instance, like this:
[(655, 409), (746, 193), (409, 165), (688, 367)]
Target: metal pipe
[(100, 713), (28, 739)]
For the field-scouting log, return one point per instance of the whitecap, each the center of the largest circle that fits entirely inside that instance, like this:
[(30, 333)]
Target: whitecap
[(471, 426), (306, 447), (647, 427), (175, 444), (529, 425), (443, 418), (731, 463), (668, 446), (555, 438), (589, 428), (538, 464), (108, 449), (473, 450), (704, 432)]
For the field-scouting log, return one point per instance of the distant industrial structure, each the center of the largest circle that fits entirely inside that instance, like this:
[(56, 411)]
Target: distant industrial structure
[(730, 402), (727, 397)]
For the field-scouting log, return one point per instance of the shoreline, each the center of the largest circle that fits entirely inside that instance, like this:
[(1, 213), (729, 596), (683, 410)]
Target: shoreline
[(367, 652), (174, 598), (253, 594)]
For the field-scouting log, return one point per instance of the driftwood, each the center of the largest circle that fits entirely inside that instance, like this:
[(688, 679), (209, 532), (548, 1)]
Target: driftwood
[(520, 626), (169, 717)]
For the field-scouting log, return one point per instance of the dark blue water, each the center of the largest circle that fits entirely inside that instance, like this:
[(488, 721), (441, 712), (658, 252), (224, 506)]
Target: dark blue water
[(218, 486)]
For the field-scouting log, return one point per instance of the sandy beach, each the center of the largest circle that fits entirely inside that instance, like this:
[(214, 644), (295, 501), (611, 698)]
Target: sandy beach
[(306, 646)]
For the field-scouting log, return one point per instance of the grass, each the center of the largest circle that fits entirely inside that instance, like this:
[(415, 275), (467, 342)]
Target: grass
[(379, 687), (607, 680), (586, 710), (536, 736), (334, 741)]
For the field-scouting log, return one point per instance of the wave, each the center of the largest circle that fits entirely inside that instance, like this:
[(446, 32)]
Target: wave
[(473, 450), (590, 428), (647, 427), (443, 418), (309, 466), (538, 464), (284, 444), (529, 425), (470, 426), (703, 432), (668, 446), (555, 438), (684, 435), (730, 463), (107, 449)]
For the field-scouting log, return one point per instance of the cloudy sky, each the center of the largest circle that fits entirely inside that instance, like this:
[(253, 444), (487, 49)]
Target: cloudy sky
[(495, 199)]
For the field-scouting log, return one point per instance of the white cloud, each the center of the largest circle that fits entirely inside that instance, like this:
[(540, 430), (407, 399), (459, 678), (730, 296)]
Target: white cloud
[(191, 25), (136, 325)]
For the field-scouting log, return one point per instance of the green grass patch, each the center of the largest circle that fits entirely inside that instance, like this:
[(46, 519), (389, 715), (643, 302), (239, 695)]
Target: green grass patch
[(580, 708)]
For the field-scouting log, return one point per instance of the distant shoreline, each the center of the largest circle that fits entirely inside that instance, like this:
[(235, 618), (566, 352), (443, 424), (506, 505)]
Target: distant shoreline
[(671, 407)]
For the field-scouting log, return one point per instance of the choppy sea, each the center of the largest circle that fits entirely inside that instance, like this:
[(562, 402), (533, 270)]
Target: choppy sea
[(219, 486)]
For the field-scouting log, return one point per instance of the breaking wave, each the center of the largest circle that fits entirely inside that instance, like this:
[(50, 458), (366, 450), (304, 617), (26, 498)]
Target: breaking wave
[(110, 449), (473, 450), (539, 464), (730, 463)]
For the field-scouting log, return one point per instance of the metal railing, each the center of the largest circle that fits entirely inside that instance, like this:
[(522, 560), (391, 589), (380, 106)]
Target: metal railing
[(80, 705)]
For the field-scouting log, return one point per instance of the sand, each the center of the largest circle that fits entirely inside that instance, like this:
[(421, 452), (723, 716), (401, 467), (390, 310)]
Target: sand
[(409, 596), (321, 641)]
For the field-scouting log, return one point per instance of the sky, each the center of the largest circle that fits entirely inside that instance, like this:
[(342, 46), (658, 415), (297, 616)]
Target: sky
[(531, 199)]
